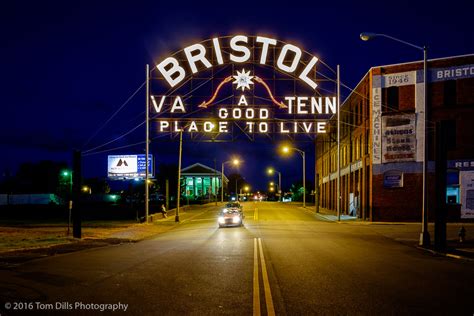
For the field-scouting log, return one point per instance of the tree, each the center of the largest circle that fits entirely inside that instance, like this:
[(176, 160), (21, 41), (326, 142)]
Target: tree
[(298, 190), (231, 187), (42, 177), (98, 185), (170, 172)]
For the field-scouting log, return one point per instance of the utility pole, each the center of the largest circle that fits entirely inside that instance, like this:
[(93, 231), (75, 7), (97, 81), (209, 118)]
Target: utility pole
[(76, 189), (167, 193), (280, 191), (178, 197), (147, 149), (441, 137), (425, 235), (222, 183), (304, 178), (338, 183), (316, 178), (215, 180)]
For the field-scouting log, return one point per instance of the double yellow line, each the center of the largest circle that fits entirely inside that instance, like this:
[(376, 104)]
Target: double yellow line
[(257, 248)]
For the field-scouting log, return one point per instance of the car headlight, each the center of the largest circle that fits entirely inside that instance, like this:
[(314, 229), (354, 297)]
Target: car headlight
[(236, 220), (221, 220)]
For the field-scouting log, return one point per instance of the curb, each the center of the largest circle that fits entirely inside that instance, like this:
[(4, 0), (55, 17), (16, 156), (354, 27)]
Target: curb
[(445, 254)]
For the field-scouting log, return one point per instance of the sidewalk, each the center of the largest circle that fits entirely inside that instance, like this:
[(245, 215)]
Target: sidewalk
[(330, 215), (94, 237), (159, 224), (409, 233)]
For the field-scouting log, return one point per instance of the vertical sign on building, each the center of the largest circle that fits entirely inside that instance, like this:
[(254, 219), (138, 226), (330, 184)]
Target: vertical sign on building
[(377, 119)]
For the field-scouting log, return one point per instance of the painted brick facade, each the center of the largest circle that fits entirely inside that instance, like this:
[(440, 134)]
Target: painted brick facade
[(450, 97)]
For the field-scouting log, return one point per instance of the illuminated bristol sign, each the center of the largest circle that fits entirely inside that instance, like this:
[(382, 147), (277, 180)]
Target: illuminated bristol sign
[(250, 84)]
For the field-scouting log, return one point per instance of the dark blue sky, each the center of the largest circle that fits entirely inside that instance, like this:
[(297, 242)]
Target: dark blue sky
[(66, 66)]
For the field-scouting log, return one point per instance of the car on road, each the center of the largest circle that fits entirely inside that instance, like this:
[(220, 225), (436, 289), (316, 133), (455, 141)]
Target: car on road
[(232, 205), (231, 215)]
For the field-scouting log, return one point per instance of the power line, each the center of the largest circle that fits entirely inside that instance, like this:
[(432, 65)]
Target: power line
[(113, 115)]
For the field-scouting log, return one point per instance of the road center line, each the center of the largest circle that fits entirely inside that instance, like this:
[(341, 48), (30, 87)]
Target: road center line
[(256, 288), (255, 214), (266, 284)]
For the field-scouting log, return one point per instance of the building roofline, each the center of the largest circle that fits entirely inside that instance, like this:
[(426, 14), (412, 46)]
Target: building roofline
[(355, 88), (197, 164), (420, 61), (399, 64)]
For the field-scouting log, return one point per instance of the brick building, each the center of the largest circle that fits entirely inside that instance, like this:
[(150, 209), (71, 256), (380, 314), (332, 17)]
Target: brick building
[(382, 142)]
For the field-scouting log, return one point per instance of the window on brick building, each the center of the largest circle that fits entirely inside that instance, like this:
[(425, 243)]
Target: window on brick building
[(367, 109), (452, 187), (367, 144), (359, 113), (390, 99), (449, 93)]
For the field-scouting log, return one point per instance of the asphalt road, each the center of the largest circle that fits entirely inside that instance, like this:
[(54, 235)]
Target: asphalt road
[(284, 260)]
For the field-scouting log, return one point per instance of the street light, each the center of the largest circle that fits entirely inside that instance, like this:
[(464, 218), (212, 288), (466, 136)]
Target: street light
[(286, 149), (424, 235), (271, 171), (67, 173), (87, 189), (235, 162)]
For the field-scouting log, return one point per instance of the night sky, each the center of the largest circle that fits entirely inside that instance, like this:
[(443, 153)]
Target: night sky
[(67, 66)]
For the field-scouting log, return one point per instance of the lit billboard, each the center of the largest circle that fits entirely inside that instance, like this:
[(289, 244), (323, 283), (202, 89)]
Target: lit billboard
[(128, 166)]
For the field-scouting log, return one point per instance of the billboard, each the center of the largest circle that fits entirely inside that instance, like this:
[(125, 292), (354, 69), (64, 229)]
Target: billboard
[(467, 194), (128, 166)]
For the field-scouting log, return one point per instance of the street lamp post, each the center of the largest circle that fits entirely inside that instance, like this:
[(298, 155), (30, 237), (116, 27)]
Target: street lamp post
[(271, 171), (178, 195), (424, 235), (235, 162), (147, 145), (302, 153), (69, 173)]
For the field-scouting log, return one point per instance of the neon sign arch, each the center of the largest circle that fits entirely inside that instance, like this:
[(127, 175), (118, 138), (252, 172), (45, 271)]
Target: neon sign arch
[(256, 105)]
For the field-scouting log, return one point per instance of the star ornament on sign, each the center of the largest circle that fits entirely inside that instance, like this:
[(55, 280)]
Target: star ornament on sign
[(243, 79)]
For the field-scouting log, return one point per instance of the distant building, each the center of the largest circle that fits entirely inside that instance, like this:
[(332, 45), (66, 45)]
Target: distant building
[(30, 199), (200, 181), (382, 141)]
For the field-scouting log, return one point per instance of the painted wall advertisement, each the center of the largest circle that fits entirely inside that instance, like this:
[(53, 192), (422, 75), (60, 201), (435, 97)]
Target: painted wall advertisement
[(398, 138), (128, 166), (376, 119), (467, 193)]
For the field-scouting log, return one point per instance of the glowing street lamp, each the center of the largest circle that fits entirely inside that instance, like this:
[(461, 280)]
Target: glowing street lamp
[(246, 189), (286, 149), (234, 162), (425, 235), (87, 189), (271, 171)]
